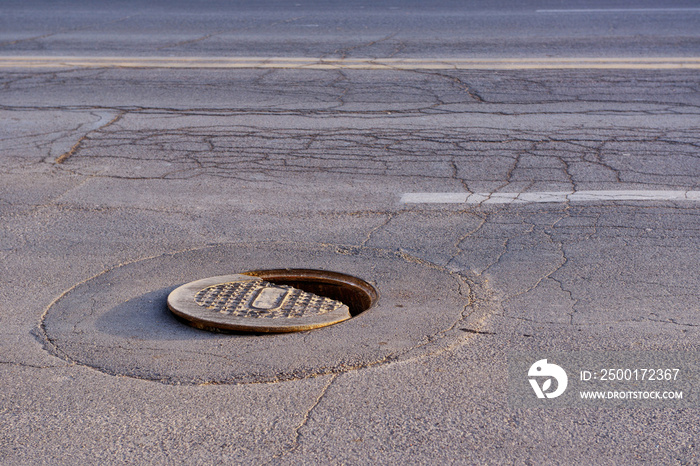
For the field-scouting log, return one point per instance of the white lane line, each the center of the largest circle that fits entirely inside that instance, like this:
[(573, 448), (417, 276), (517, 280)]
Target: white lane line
[(544, 197), (624, 10), (311, 63)]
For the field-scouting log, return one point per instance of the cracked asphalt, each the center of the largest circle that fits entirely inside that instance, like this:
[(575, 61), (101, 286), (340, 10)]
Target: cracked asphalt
[(120, 184)]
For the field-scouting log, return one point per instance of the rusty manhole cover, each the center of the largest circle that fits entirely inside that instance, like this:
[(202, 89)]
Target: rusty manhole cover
[(299, 299)]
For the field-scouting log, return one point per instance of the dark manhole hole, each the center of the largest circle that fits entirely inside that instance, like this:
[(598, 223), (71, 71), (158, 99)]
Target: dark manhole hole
[(271, 301)]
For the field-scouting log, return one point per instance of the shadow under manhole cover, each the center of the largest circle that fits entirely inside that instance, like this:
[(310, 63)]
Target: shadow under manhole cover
[(271, 301), (118, 322)]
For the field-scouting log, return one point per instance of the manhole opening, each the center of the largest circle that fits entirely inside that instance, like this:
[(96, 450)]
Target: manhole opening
[(354, 292)]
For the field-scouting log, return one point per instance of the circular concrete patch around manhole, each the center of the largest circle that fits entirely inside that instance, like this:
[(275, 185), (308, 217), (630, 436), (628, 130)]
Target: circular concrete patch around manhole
[(118, 322), (248, 303)]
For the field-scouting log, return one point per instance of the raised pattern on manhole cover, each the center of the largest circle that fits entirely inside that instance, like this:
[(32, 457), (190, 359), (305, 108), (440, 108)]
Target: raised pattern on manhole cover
[(247, 303), (258, 298)]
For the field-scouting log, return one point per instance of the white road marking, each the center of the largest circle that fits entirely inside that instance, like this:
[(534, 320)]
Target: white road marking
[(624, 10), (544, 197), (649, 63)]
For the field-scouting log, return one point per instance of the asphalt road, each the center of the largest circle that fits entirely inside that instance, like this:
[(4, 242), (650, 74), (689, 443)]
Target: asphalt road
[(351, 28), (543, 203)]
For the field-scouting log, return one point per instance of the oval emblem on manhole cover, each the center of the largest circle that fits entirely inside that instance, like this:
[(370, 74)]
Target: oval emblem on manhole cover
[(250, 304)]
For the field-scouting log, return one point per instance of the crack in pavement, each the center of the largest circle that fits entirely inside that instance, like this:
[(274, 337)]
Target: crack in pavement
[(320, 93), (576, 275), (368, 238), (92, 129), (489, 156), (297, 434)]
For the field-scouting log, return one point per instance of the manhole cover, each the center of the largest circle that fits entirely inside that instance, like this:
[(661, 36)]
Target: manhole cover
[(250, 303)]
